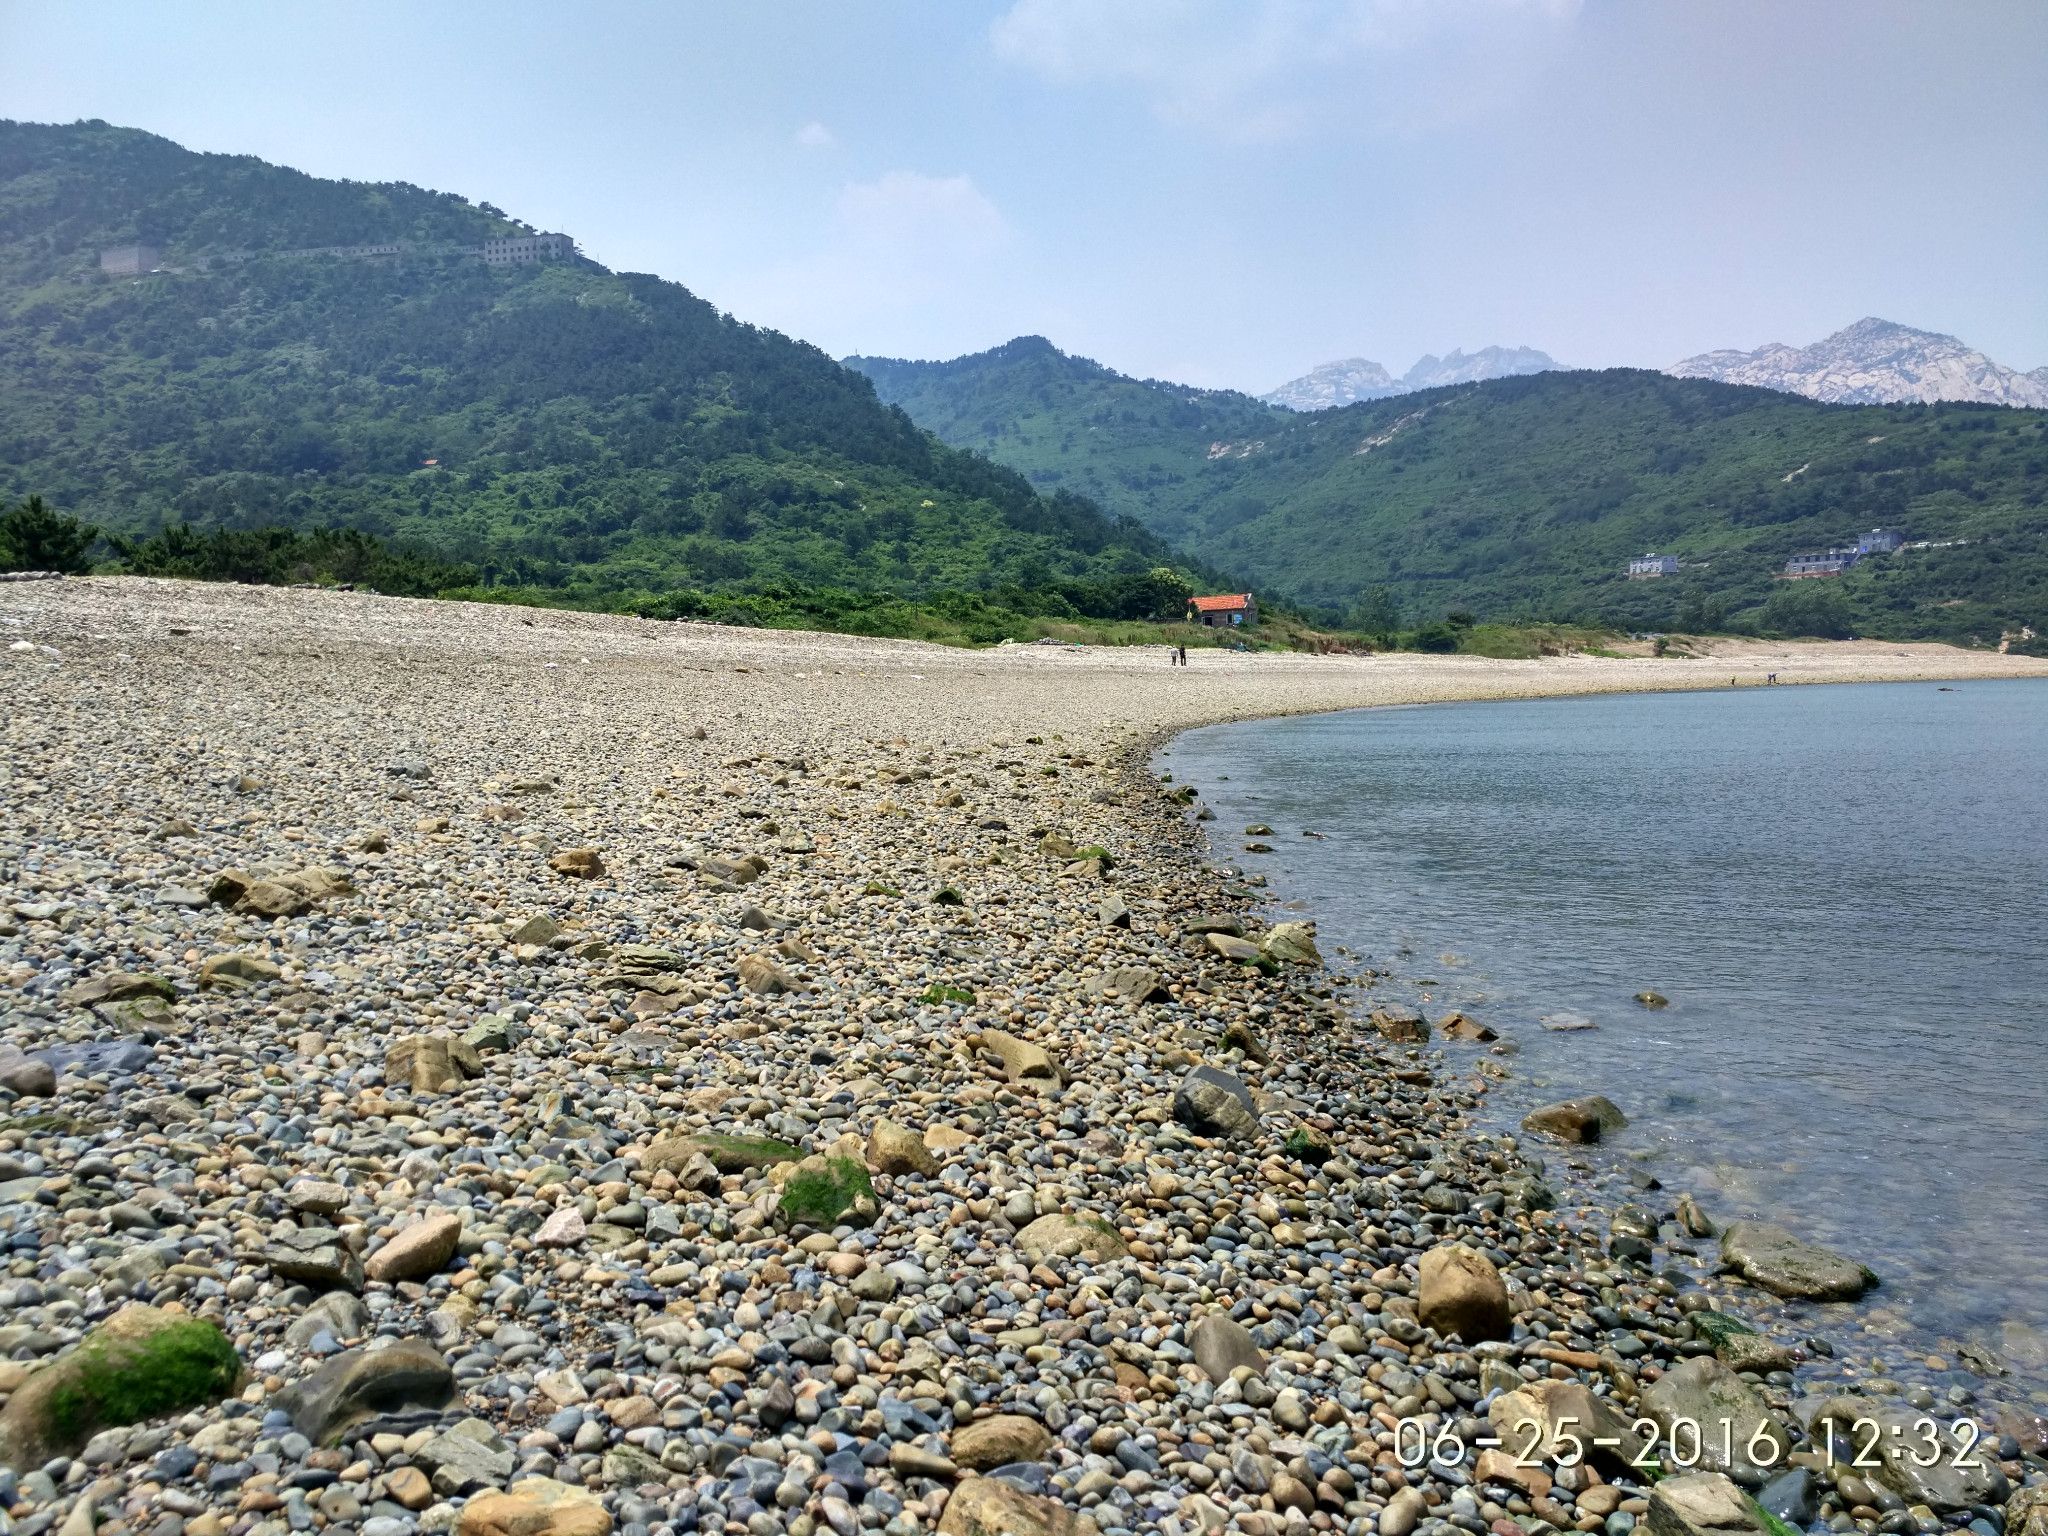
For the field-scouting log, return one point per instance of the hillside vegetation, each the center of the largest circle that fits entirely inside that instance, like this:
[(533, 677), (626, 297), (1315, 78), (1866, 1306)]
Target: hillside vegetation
[(1525, 498), (554, 426)]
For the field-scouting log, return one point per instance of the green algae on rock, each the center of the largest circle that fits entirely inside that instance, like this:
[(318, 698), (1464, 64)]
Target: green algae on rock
[(141, 1363), (825, 1191)]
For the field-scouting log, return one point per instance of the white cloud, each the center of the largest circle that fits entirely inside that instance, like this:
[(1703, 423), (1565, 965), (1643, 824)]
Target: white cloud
[(816, 136), (1262, 69)]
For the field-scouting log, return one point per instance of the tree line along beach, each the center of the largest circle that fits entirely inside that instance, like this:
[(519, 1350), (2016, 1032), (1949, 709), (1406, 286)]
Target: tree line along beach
[(502, 1071)]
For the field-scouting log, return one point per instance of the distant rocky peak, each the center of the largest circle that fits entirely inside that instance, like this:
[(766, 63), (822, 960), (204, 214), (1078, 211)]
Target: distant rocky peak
[(1468, 368), (1874, 362), (1358, 378), (1340, 383)]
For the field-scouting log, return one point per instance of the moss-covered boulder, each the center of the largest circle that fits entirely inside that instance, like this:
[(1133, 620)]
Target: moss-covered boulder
[(827, 1191), (728, 1154), (1309, 1144), (141, 1363)]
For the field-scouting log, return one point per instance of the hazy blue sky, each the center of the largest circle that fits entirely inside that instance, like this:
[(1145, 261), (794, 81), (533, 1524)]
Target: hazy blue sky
[(1224, 193)]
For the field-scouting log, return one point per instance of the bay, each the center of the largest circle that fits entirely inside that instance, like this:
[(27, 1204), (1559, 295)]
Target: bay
[(1840, 890)]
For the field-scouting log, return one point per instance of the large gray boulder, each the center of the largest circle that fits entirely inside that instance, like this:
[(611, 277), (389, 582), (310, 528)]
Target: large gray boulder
[(1902, 1435), (1221, 1346), (1765, 1254), (1214, 1103), (361, 1384), (1705, 1392), (463, 1459)]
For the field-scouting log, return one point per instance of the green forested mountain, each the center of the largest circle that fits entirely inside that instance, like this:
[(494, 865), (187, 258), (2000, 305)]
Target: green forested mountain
[(1526, 497), (550, 423)]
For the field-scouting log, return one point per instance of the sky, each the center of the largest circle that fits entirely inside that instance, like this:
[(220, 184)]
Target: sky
[(1220, 192)]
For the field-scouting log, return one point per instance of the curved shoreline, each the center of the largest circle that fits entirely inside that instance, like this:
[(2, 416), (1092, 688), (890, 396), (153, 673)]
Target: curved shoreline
[(282, 726)]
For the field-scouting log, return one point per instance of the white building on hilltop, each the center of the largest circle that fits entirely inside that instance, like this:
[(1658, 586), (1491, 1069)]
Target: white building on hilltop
[(1644, 567)]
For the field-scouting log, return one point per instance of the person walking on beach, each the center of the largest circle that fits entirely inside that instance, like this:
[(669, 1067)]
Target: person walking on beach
[(1183, 655)]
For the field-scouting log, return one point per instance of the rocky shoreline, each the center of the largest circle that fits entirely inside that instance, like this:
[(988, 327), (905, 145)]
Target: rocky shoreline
[(477, 1071)]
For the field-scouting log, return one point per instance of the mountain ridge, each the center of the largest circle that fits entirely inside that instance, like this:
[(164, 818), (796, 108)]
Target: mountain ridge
[(1526, 497), (1354, 379), (1875, 362), (551, 422)]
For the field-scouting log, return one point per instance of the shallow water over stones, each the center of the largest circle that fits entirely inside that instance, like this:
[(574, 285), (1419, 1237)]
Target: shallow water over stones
[(1830, 897)]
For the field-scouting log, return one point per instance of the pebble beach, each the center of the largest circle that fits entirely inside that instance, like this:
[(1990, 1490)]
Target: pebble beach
[(495, 1070)]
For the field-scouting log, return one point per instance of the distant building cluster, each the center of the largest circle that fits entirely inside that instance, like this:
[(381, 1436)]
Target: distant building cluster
[(1648, 567), (1832, 562), (137, 260), (132, 260)]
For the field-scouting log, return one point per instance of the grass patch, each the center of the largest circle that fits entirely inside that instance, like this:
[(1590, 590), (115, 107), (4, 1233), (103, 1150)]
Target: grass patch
[(938, 995)]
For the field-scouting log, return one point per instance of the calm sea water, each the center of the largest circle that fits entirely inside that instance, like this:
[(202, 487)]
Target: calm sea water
[(1842, 890)]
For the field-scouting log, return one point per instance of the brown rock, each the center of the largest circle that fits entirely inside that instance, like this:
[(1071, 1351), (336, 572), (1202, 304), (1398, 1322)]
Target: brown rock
[(896, 1149), (1404, 1512), (28, 1076), (760, 974), (1290, 1492), (273, 898), (536, 1506), (1601, 1499), (236, 972), (119, 986), (998, 1441), (1064, 1237), (1579, 1120), (1237, 1035), (635, 1412), (409, 1487), (1462, 1293), (944, 1139), (1556, 1408), (418, 1251), (2026, 1512), (1703, 1504), (909, 1461), (988, 1506), (1401, 1024), (1462, 1026), (578, 863), (1022, 1059), (436, 1063), (229, 887)]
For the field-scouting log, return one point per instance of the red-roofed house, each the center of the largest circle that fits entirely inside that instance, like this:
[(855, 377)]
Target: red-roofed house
[(1221, 612)]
